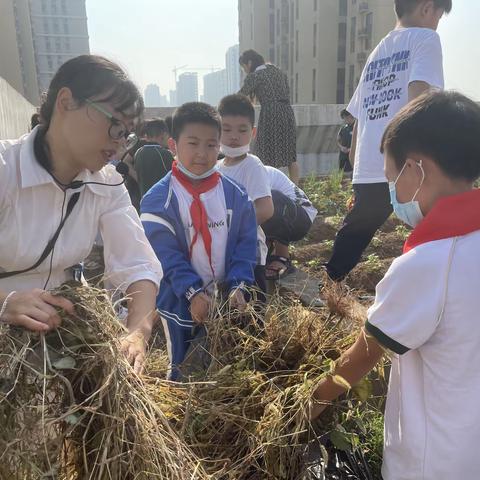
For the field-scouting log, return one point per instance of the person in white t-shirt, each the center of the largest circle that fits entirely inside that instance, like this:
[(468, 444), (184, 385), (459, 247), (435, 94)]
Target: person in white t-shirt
[(292, 219), (238, 120), (407, 62), (427, 306)]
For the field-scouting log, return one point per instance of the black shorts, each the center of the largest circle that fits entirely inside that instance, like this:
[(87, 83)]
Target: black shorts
[(290, 222)]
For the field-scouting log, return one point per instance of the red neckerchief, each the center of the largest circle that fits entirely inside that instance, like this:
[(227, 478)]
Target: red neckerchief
[(452, 216), (197, 209)]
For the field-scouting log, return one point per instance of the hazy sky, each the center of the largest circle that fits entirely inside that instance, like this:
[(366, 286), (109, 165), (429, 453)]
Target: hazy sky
[(150, 37)]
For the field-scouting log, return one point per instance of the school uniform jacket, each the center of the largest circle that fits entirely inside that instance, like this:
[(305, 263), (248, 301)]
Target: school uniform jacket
[(161, 219)]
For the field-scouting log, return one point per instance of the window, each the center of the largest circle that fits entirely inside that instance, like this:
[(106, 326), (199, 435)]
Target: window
[(58, 46), (341, 85), (67, 45), (291, 61), (251, 26), (314, 85), (278, 22), (296, 46), (369, 29), (272, 4), (353, 34), (297, 9), (342, 42), (296, 88), (343, 7), (65, 26), (46, 27), (44, 7), (64, 7), (50, 62), (315, 5), (314, 40), (351, 79), (56, 27), (272, 28), (291, 17), (272, 55)]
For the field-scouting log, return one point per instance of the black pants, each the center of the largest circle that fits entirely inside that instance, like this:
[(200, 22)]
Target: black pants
[(370, 211), (289, 223)]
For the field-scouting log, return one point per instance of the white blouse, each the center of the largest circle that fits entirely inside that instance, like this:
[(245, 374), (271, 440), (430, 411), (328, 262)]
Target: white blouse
[(31, 211)]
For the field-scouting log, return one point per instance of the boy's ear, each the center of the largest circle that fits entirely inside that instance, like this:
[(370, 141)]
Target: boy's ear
[(254, 133), (172, 145)]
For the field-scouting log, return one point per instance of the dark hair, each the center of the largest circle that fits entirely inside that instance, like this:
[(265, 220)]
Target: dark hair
[(168, 122), (194, 112), (89, 76), (34, 120), (251, 56), (237, 105), (404, 7), (345, 113), (442, 125), (154, 127)]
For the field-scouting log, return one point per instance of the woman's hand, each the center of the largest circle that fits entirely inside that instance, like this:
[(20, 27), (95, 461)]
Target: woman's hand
[(133, 346), (34, 310)]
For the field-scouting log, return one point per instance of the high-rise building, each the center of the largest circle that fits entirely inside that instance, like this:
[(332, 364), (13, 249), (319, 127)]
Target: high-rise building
[(152, 96), (173, 98), (215, 87), (233, 69), (187, 88), (321, 45), (36, 37)]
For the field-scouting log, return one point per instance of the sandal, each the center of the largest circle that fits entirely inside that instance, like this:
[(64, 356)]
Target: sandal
[(281, 272)]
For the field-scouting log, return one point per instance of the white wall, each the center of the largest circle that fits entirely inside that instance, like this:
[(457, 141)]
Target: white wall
[(15, 112)]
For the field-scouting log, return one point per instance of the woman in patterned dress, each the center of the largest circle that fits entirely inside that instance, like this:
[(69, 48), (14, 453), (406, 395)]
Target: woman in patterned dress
[(276, 139)]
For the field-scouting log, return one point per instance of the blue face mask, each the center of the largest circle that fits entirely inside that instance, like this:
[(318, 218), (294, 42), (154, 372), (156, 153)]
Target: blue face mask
[(194, 176), (409, 212)]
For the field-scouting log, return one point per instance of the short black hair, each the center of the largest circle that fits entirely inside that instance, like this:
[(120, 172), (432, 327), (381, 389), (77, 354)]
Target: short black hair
[(345, 113), (251, 56), (442, 125), (237, 105), (194, 112), (34, 120), (404, 7), (154, 127), (168, 121), (93, 76)]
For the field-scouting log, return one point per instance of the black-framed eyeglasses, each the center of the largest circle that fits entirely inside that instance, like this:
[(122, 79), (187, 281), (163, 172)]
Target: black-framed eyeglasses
[(117, 129)]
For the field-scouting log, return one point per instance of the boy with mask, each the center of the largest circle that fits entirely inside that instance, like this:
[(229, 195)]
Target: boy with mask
[(426, 307), (238, 120), (202, 228)]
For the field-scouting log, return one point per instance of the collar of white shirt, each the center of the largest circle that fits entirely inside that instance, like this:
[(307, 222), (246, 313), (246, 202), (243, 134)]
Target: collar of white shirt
[(261, 67), (33, 174)]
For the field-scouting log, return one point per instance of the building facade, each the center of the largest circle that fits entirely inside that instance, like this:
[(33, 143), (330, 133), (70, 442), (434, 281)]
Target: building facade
[(233, 69), (215, 87), (36, 37), (187, 88), (321, 45)]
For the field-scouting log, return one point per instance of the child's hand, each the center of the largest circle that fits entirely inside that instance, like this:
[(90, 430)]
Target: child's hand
[(237, 300), (200, 307)]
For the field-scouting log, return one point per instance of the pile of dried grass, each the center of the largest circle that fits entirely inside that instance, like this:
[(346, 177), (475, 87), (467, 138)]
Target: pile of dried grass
[(246, 415), (72, 408)]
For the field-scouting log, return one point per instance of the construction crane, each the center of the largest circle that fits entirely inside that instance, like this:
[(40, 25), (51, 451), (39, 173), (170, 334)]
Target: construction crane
[(193, 69)]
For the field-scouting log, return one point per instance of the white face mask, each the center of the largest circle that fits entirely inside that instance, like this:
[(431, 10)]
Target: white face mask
[(194, 176), (231, 152)]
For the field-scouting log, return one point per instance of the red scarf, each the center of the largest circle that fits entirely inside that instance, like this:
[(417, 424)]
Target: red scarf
[(452, 216), (197, 209)]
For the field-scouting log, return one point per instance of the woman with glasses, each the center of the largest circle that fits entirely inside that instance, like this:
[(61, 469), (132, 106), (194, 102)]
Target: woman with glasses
[(57, 191)]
